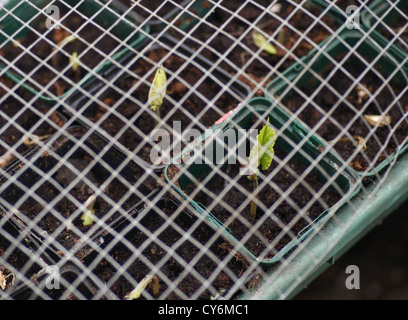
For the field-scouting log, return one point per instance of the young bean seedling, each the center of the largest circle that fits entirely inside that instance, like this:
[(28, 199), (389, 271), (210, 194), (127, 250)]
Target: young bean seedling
[(75, 65), (6, 159), (136, 292), (34, 139), (157, 90), (5, 276), (58, 47), (262, 42), (378, 120), (88, 216), (261, 155)]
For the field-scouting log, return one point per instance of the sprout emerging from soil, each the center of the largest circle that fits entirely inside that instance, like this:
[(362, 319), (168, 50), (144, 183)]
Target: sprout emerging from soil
[(379, 120), (6, 159), (356, 140), (34, 139), (261, 42), (282, 36), (4, 278), (75, 65), (136, 292), (88, 216), (362, 93), (58, 47), (157, 91), (261, 155)]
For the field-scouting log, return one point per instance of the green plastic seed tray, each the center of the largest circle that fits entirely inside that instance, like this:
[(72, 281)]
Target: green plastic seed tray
[(219, 190), (42, 43), (339, 101), (381, 18)]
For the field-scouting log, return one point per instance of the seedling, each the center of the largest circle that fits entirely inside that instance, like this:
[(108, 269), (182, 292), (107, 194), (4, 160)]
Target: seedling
[(157, 90), (136, 292), (58, 47), (261, 42), (88, 216), (6, 159), (34, 139), (282, 36), (261, 155), (4, 279), (75, 65), (362, 93), (379, 120), (360, 141)]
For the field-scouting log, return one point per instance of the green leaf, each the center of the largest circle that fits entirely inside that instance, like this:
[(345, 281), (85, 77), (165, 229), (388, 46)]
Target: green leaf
[(261, 42), (74, 61), (266, 139), (136, 292), (262, 152), (158, 89), (87, 218)]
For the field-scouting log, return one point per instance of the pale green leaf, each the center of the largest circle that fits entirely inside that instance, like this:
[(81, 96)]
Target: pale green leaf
[(87, 218), (262, 152), (261, 42), (158, 89), (136, 292), (74, 61), (266, 139)]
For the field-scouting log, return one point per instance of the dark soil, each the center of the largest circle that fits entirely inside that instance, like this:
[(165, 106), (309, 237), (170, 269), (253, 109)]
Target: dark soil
[(180, 104), (51, 67), (191, 106), (173, 266), (11, 119), (15, 257), (345, 113), (397, 23), (62, 180), (235, 41)]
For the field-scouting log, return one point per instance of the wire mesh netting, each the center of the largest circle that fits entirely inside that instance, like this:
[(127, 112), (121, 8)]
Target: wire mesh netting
[(193, 149)]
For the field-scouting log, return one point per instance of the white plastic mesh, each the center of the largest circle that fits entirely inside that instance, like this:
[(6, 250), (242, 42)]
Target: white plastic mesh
[(75, 79)]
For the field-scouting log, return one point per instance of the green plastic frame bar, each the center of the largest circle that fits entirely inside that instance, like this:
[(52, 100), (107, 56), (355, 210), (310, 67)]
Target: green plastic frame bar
[(364, 212)]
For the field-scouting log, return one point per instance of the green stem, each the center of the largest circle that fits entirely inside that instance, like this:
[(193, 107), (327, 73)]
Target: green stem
[(254, 203), (156, 286), (157, 111)]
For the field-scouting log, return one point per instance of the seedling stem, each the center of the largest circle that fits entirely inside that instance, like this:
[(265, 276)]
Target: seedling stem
[(261, 154), (136, 293), (88, 215)]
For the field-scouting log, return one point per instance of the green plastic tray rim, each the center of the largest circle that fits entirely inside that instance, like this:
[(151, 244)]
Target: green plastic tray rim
[(313, 60), (368, 17)]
